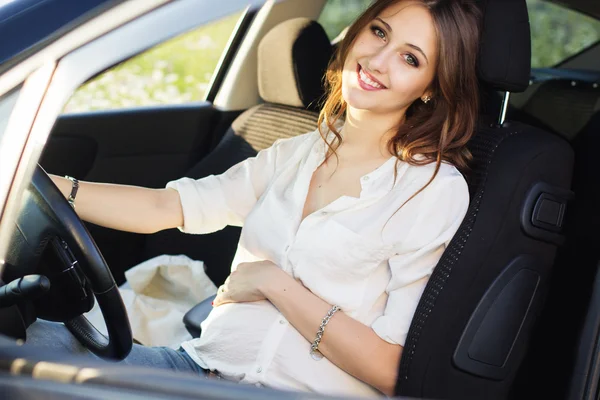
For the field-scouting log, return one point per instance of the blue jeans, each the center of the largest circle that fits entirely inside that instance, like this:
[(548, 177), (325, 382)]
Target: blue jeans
[(55, 336)]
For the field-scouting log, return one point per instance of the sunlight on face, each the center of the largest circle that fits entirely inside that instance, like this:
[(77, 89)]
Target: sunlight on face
[(392, 61)]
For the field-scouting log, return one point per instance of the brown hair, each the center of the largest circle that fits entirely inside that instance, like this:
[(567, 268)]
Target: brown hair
[(440, 129)]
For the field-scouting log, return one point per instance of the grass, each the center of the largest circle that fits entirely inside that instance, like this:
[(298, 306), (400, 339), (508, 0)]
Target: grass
[(177, 71)]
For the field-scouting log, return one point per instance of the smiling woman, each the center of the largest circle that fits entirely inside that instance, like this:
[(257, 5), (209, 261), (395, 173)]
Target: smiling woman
[(333, 256), (387, 70)]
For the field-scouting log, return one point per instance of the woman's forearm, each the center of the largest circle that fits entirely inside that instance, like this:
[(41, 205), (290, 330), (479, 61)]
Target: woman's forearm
[(126, 208), (349, 344)]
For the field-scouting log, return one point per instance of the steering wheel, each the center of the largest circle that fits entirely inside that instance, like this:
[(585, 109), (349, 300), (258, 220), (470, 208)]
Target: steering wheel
[(46, 219)]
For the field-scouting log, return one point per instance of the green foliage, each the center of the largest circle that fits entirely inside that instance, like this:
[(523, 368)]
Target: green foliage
[(177, 71), (558, 33), (180, 70), (338, 14)]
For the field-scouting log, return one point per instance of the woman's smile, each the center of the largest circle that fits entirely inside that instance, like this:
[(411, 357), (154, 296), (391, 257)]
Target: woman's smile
[(368, 81), (383, 59)]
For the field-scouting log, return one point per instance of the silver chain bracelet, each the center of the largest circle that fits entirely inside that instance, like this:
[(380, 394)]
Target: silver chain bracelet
[(74, 189), (314, 348)]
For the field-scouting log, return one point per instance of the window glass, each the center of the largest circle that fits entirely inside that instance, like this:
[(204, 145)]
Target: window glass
[(558, 33), (174, 72), (338, 14), (7, 103)]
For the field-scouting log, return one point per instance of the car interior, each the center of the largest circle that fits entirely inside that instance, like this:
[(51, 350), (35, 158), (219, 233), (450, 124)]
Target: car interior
[(510, 311)]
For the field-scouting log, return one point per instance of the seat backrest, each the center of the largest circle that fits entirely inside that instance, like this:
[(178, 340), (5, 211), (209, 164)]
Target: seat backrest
[(574, 295), (292, 59), (472, 327), (563, 325), (565, 106)]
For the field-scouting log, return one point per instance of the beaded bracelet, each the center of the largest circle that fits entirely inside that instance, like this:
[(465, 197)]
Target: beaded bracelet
[(314, 348)]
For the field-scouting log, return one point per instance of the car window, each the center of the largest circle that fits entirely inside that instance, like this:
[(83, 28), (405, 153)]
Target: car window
[(7, 103), (338, 14), (174, 72), (558, 33)]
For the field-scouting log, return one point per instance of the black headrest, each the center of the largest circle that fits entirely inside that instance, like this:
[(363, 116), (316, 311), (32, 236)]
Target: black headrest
[(292, 60), (505, 49)]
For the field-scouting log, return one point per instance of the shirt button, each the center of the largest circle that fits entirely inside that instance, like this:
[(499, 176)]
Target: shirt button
[(259, 370), (282, 321), (365, 178)]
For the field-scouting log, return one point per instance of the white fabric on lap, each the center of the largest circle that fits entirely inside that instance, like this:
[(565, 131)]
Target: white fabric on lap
[(157, 295)]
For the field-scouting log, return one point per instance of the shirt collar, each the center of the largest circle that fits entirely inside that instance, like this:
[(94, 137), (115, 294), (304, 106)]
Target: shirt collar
[(374, 184), (381, 181)]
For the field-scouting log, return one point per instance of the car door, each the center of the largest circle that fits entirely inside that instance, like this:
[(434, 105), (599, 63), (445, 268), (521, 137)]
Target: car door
[(146, 121)]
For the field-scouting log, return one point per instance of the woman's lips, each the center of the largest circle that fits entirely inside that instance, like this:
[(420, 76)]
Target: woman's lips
[(367, 81)]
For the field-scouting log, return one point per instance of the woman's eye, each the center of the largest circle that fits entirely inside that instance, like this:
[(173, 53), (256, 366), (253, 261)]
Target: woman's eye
[(378, 32), (411, 60)]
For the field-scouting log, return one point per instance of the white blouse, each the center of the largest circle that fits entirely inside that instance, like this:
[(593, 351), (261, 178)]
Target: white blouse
[(366, 254)]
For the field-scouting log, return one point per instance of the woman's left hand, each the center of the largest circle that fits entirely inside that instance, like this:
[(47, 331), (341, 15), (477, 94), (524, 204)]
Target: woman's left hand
[(245, 283)]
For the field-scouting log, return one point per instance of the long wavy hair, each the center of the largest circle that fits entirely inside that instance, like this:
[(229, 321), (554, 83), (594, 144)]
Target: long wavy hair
[(439, 130)]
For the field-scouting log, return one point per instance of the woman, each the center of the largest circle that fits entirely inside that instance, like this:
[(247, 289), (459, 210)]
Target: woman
[(342, 226)]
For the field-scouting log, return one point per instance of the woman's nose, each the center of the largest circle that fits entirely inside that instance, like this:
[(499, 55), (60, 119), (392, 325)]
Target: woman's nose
[(379, 60)]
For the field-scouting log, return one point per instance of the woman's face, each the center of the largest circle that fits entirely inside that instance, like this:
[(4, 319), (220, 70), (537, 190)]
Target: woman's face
[(392, 61)]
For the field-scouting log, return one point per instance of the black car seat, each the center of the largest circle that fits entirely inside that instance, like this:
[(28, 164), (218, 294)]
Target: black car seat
[(473, 324), (292, 60), (565, 345), (574, 288)]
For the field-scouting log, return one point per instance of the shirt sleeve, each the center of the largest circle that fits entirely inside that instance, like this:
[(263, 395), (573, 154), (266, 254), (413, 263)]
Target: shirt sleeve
[(211, 203), (442, 209)]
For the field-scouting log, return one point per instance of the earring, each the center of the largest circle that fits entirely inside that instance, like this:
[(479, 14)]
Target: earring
[(425, 99)]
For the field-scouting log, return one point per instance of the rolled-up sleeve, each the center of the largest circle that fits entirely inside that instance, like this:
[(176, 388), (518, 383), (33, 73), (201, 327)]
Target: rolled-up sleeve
[(211, 203), (442, 209)]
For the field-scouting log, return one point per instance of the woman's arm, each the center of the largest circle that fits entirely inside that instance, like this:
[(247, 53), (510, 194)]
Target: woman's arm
[(194, 205), (349, 344), (126, 208)]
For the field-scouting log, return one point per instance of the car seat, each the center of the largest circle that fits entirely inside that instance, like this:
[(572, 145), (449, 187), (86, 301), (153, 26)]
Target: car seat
[(473, 324)]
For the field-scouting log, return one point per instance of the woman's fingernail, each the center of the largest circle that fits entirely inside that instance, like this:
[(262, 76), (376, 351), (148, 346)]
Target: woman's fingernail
[(212, 304)]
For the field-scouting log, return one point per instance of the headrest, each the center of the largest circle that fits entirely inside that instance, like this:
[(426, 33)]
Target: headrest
[(292, 61), (505, 48)]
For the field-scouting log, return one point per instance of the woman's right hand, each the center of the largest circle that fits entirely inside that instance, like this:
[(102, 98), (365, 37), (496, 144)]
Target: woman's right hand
[(123, 207)]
